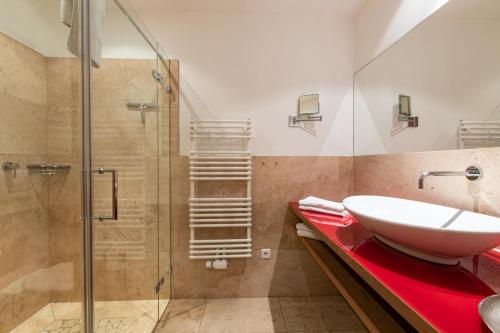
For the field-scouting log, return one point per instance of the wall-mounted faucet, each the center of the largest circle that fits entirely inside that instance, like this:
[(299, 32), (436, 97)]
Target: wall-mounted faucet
[(471, 173), (10, 166), (143, 107)]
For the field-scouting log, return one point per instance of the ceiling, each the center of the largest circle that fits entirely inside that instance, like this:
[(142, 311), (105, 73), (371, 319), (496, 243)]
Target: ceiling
[(330, 7)]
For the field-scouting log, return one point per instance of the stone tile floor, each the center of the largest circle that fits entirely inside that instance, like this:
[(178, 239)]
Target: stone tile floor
[(260, 315), (102, 326), (111, 317), (231, 315)]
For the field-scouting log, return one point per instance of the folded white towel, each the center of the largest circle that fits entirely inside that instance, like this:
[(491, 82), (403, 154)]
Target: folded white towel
[(66, 12), (321, 203), (304, 231), (302, 226), (70, 11), (307, 234), (325, 211)]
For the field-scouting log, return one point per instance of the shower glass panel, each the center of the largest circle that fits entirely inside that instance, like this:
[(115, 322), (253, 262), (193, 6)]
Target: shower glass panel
[(40, 178), (125, 163)]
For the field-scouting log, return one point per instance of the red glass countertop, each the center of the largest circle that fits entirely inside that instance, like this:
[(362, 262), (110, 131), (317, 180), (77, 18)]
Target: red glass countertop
[(445, 296)]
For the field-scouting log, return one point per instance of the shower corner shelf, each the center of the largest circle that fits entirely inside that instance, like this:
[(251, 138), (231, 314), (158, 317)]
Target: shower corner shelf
[(49, 169)]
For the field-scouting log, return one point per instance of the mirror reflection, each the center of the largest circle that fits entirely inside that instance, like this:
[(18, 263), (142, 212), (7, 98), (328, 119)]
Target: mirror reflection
[(450, 66)]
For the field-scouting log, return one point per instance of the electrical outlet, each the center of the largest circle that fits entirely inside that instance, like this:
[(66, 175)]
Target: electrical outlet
[(265, 253)]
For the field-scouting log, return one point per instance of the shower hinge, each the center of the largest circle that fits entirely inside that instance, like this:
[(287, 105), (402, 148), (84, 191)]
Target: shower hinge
[(158, 77), (159, 285)]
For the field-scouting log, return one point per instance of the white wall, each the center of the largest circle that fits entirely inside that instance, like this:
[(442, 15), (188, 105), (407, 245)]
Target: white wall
[(25, 21), (36, 24), (380, 23), (256, 65), (249, 64)]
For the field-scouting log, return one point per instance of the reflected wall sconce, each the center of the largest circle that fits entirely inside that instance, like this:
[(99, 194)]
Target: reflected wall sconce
[(405, 111)]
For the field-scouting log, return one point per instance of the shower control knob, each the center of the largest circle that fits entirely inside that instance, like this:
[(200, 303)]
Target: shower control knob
[(10, 166)]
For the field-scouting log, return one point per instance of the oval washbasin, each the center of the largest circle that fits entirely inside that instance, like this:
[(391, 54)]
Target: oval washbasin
[(430, 232)]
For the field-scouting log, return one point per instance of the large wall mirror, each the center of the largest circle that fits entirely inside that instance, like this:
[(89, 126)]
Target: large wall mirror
[(449, 67)]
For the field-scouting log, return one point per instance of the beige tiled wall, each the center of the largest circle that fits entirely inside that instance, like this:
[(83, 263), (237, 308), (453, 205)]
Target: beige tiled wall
[(64, 146), (397, 175), (24, 229), (40, 233), (291, 271), (126, 251)]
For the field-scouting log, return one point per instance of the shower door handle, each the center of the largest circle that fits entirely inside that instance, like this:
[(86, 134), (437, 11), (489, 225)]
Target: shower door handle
[(114, 194)]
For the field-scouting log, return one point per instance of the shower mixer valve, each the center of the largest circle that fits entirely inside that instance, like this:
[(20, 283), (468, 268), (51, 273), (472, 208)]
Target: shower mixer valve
[(10, 166)]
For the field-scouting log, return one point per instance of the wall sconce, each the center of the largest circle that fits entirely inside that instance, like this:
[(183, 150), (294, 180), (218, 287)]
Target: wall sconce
[(405, 111), (307, 110)]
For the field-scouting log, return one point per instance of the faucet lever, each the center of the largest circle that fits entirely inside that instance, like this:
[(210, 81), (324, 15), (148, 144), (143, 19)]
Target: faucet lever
[(10, 166), (471, 173)]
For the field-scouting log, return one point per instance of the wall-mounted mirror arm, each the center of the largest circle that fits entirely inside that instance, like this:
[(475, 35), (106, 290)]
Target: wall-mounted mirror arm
[(294, 121)]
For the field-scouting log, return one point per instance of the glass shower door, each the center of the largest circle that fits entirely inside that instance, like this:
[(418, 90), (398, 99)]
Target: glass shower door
[(125, 136)]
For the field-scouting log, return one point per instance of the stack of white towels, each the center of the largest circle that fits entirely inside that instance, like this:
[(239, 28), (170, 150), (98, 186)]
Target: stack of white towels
[(323, 206), (304, 231)]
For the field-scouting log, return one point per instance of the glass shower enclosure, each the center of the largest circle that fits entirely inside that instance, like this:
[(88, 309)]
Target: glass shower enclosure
[(84, 121)]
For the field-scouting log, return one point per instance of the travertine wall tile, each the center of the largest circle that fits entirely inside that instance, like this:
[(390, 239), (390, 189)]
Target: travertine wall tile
[(24, 237), (127, 250), (23, 126), (397, 175), (41, 121), (24, 72), (119, 81), (64, 131), (275, 182), (64, 83), (64, 146)]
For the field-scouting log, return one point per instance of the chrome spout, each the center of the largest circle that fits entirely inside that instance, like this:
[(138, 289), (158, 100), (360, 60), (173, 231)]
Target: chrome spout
[(471, 173), (423, 175)]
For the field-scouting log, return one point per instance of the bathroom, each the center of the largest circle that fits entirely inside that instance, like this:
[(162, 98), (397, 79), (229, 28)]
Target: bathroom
[(165, 166)]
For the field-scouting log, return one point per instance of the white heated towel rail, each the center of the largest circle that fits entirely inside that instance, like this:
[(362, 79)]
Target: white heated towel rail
[(478, 134), (219, 154)]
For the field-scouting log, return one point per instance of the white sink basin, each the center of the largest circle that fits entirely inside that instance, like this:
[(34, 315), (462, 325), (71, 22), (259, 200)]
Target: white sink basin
[(431, 232)]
